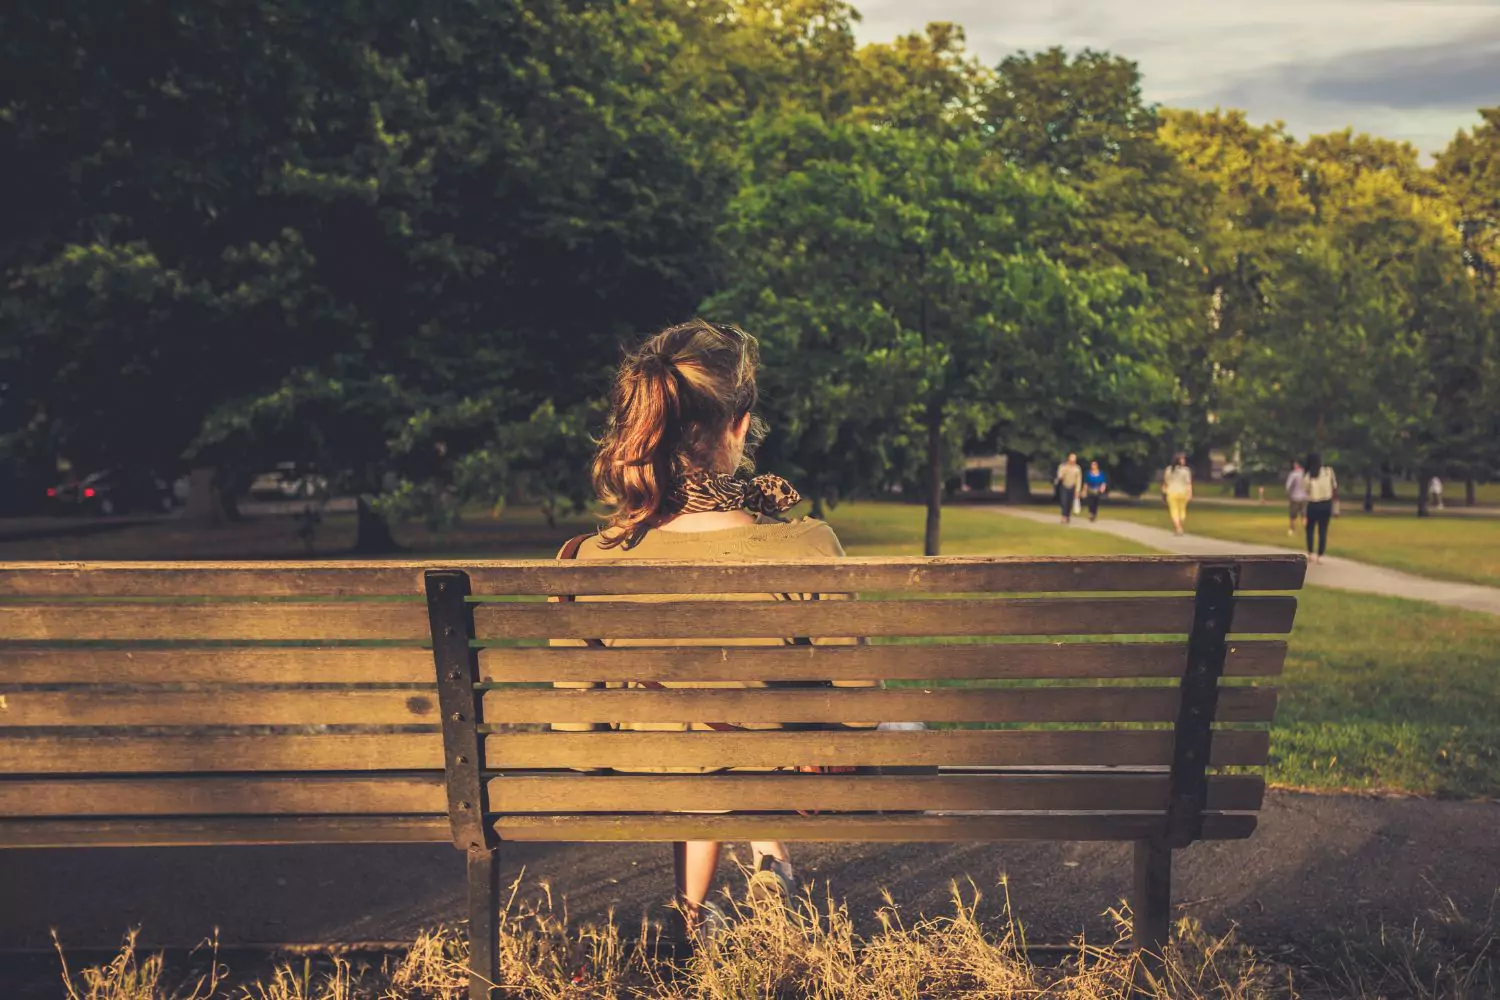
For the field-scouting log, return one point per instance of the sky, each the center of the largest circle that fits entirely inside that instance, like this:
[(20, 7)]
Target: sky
[(1415, 70)]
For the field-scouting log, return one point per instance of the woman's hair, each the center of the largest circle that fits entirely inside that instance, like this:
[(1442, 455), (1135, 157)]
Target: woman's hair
[(1314, 465), (672, 407), (1180, 458)]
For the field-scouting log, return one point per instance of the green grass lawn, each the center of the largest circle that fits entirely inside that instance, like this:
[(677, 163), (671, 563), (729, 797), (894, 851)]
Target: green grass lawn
[(1378, 694), (1445, 548)]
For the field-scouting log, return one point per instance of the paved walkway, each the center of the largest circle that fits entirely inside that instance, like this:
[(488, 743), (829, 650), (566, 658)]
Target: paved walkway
[(1340, 574)]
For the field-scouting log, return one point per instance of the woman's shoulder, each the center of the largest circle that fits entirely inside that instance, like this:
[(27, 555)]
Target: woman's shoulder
[(804, 536)]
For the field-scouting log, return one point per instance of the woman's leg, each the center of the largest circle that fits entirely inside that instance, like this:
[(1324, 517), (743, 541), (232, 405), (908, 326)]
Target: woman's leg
[(1093, 506), (774, 849), (1325, 517), (1311, 527), (693, 865)]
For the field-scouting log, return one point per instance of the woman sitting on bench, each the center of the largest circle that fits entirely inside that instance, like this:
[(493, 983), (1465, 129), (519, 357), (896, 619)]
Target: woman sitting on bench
[(672, 472)]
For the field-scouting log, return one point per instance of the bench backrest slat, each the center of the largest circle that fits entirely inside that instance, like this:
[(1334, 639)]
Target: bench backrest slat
[(523, 794), (937, 705), (934, 661), (874, 619), (948, 575), (951, 748)]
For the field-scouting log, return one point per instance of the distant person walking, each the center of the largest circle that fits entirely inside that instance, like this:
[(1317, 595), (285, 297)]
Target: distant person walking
[(1069, 480), (1095, 485), (1322, 493), (1435, 490), (1177, 487), (1296, 497)]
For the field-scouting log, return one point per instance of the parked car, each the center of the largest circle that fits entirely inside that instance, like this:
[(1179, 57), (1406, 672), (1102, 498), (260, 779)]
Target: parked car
[(114, 491), (289, 481)]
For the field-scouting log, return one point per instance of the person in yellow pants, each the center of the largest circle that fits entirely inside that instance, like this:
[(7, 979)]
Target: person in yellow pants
[(1177, 487)]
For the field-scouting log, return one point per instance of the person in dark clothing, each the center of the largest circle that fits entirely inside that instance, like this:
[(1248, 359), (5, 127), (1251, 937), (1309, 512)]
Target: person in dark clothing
[(1322, 492)]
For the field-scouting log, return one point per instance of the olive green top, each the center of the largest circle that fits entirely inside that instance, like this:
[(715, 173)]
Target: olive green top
[(767, 539)]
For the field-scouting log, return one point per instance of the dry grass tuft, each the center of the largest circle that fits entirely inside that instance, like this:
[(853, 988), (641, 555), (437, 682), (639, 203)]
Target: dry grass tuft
[(809, 951)]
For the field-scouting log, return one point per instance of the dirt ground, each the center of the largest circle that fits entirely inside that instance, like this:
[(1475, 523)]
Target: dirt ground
[(1318, 864)]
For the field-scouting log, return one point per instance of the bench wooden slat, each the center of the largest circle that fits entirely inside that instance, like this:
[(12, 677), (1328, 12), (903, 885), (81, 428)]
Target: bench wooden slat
[(773, 619), (851, 829), (272, 621), (224, 707), (629, 750), (948, 704), (212, 753), (565, 793), (313, 794), (238, 830), (21, 664), (503, 577), (928, 661)]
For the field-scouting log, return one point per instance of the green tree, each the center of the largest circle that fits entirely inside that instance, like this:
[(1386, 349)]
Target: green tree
[(906, 306)]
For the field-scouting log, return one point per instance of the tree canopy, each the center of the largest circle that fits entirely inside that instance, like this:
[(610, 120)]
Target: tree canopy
[(407, 244)]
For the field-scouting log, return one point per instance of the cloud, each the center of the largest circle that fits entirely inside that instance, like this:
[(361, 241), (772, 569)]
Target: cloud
[(1407, 69)]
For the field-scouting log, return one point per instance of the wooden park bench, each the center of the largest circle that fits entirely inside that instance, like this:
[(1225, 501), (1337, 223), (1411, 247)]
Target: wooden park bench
[(293, 703)]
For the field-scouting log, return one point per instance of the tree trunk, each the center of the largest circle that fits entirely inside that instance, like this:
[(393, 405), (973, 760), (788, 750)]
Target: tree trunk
[(1422, 496), (1242, 487), (1369, 494), (1387, 488), (372, 533), (932, 539), (818, 511), (1017, 478), (205, 503), (1469, 499)]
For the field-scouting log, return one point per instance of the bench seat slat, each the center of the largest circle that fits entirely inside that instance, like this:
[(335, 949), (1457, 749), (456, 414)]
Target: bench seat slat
[(953, 575), (943, 704), (629, 750), (564, 793), (227, 707), (214, 753), (314, 794), (932, 661), (227, 831), (24, 664), (404, 621), (774, 619), (853, 828)]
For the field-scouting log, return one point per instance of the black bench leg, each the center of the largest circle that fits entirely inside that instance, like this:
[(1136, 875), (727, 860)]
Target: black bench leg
[(484, 922), (1152, 902)]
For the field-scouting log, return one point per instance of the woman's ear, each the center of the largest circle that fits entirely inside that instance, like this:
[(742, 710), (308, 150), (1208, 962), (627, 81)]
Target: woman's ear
[(741, 429)]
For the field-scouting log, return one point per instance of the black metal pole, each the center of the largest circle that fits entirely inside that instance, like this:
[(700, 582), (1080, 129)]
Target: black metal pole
[(452, 621)]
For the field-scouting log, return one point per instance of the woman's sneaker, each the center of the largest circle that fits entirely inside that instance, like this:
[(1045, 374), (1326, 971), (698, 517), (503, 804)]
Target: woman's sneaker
[(771, 883)]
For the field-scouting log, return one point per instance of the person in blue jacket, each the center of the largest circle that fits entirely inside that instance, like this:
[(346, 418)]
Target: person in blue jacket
[(1095, 485)]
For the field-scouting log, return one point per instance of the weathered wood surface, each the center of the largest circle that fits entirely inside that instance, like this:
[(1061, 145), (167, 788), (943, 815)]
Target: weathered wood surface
[(238, 830), (573, 793), (932, 661), (854, 828), (961, 617), (225, 795), (943, 704), (20, 664), (973, 574), (213, 753), (263, 622), (949, 748), (224, 707)]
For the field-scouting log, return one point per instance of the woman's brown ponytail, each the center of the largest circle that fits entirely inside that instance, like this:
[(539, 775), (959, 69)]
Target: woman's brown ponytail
[(671, 410)]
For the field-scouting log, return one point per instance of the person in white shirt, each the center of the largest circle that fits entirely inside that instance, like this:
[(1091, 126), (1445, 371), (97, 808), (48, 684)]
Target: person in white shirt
[(1177, 488), (1435, 490), (1322, 490), (1296, 497)]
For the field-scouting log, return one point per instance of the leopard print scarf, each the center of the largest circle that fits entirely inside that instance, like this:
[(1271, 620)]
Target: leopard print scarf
[(702, 491)]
